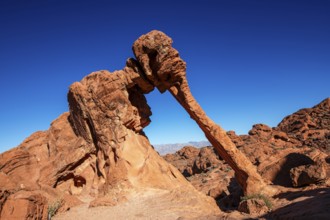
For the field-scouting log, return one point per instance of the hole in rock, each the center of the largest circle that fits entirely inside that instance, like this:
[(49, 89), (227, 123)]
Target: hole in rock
[(327, 159), (79, 181), (170, 124)]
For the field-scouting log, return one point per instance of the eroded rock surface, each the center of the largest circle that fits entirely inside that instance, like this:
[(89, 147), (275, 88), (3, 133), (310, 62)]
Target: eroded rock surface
[(308, 174), (165, 69), (191, 160), (311, 126), (97, 149), (282, 158), (97, 154)]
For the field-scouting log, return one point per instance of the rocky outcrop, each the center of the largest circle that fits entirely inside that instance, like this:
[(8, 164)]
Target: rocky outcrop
[(281, 158), (275, 151), (308, 174), (254, 206), (191, 160), (214, 177), (25, 205), (164, 68), (311, 126), (97, 149), (108, 111)]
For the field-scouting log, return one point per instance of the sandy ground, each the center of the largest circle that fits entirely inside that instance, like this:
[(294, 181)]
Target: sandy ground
[(139, 206), (153, 204), (158, 204)]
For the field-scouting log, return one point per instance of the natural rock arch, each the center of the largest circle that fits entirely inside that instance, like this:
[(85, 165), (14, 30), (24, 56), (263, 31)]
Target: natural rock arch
[(99, 147), (102, 104), (163, 68)]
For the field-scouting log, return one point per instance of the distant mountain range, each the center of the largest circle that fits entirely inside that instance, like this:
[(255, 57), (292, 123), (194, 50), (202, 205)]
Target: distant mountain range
[(171, 148)]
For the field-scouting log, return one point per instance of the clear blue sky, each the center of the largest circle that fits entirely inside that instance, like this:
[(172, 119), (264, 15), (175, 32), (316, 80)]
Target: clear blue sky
[(249, 61)]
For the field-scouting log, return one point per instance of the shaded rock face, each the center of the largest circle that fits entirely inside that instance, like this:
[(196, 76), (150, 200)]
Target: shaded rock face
[(281, 158), (191, 160), (253, 206), (308, 174), (208, 173), (97, 149)]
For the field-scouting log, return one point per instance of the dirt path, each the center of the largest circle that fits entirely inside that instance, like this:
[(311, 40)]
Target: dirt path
[(153, 204), (158, 204)]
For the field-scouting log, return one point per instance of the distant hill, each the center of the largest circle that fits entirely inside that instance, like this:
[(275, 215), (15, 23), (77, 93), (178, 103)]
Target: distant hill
[(171, 148)]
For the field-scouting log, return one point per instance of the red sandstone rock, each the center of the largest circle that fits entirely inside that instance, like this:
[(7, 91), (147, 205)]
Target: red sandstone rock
[(308, 174), (191, 160), (25, 205), (253, 206), (165, 69), (216, 180), (273, 151), (311, 126), (97, 149)]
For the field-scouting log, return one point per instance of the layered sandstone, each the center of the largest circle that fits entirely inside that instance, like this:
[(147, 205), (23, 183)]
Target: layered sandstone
[(274, 151), (311, 126), (96, 150), (98, 155), (164, 68), (281, 156)]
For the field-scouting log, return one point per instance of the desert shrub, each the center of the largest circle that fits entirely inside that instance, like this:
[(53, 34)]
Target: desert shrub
[(53, 207), (258, 196)]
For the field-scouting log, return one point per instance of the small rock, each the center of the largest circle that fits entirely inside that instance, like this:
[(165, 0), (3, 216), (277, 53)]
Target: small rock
[(253, 206), (216, 192)]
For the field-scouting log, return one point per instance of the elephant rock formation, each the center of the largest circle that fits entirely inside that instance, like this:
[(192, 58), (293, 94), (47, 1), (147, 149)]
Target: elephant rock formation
[(99, 149), (167, 71)]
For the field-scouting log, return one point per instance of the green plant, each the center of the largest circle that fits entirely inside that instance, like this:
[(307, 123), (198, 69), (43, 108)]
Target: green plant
[(53, 207), (258, 196)]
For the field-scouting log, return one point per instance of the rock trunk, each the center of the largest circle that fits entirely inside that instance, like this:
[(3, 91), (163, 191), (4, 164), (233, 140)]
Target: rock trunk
[(164, 68)]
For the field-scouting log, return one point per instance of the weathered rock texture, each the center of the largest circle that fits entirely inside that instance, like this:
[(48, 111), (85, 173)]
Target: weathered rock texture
[(253, 206), (167, 71), (282, 158), (191, 160), (209, 174), (308, 174), (311, 126), (97, 149), (275, 151)]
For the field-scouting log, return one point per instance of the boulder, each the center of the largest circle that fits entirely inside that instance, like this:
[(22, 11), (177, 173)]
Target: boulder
[(25, 205), (308, 174), (253, 206)]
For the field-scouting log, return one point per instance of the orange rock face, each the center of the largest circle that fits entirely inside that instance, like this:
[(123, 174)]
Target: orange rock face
[(165, 69), (97, 153), (311, 126), (97, 149), (282, 158), (108, 112), (191, 160)]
